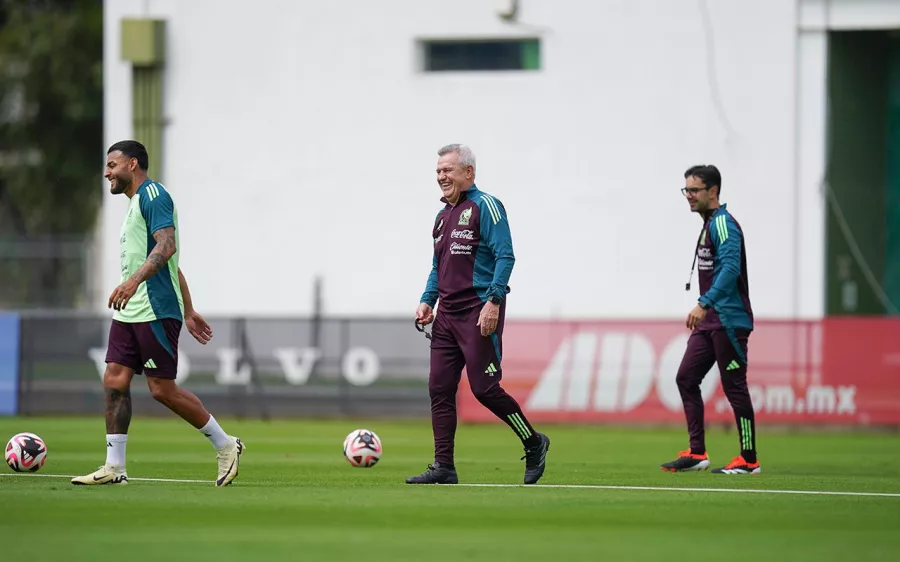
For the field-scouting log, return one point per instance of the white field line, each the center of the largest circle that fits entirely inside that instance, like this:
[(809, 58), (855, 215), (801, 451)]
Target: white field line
[(674, 489), (130, 479), (553, 486)]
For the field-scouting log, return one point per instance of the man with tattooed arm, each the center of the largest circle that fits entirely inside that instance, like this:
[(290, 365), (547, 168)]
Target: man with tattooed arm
[(150, 305)]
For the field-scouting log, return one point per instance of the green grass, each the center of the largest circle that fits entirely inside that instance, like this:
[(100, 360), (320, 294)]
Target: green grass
[(297, 499)]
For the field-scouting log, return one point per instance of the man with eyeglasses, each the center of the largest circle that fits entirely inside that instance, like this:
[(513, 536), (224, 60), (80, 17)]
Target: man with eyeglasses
[(721, 323)]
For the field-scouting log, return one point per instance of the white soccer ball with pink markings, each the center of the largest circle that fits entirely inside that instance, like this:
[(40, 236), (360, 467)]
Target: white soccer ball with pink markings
[(362, 448), (26, 452)]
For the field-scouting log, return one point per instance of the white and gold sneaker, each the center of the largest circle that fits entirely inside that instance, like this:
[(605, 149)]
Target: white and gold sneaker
[(106, 474), (229, 459)]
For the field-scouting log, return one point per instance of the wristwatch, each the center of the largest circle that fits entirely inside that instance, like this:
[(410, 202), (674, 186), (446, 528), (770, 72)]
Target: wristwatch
[(495, 299), (704, 306)]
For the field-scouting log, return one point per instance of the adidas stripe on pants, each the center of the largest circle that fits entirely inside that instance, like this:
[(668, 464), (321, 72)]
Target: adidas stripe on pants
[(706, 348)]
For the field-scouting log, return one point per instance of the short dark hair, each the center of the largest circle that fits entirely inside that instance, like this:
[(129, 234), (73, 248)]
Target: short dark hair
[(132, 149), (708, 174)]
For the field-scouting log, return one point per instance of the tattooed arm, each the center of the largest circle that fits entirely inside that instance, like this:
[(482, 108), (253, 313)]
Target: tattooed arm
[(162, 252)]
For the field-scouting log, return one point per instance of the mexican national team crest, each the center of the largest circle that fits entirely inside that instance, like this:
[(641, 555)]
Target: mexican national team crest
[(465, 216)]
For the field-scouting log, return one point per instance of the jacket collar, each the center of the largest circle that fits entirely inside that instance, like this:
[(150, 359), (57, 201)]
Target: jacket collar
[(467, 194), (717, 210)]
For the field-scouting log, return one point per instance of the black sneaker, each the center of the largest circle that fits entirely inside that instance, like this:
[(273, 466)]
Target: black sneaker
[(436, 474), (687, 462), (536, 460)]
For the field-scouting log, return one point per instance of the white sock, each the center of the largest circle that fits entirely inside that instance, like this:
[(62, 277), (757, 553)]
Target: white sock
[(216, 435), (115, 449)]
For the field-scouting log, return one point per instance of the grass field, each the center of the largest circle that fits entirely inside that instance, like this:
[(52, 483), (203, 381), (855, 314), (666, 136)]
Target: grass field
[(297, 499)]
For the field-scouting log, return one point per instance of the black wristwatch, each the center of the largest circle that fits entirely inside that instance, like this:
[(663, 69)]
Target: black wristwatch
[(704, 306), (495, 299)]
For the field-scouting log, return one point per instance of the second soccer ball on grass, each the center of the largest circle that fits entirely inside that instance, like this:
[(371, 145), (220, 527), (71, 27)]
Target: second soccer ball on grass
[(362, 448)]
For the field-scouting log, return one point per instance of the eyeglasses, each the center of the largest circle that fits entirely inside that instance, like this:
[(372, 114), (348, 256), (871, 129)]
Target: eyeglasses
[(693, 190)]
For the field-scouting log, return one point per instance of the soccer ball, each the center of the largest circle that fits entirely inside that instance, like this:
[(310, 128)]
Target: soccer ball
[(362, 448), (26, 452)]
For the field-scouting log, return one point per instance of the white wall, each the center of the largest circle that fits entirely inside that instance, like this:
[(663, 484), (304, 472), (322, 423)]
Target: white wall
[(302, 141)]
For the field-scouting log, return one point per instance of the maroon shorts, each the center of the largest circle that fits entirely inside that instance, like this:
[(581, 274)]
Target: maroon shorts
[(149, 348)]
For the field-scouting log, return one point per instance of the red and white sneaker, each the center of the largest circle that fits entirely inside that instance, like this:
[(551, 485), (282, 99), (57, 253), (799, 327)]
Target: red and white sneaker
[(739, 466)]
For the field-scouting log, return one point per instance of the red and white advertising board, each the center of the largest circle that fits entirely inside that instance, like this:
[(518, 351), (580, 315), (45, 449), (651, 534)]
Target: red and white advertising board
[(841, 371)]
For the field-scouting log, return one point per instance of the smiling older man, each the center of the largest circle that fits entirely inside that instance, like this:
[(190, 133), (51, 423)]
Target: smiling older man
[(472, 262)]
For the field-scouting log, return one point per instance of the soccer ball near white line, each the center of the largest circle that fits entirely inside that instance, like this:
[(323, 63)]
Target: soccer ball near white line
[(362, 448), (26, 452)]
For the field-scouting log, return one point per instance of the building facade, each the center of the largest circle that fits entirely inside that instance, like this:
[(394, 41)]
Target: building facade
[(299, 141)]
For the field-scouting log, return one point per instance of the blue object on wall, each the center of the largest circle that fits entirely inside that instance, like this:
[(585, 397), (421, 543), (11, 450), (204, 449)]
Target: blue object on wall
[(9, 364)]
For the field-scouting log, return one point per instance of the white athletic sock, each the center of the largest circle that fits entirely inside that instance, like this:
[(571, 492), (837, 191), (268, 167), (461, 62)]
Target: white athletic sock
[(216, 435), (115, 449)]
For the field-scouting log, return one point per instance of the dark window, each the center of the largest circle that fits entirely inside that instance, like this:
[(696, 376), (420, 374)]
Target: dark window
[(486, 55)]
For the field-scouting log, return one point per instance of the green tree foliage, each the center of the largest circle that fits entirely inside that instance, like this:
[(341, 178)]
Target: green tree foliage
[(51, 145)]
